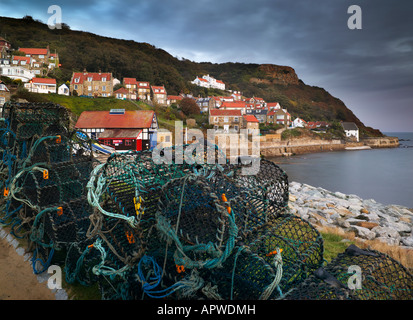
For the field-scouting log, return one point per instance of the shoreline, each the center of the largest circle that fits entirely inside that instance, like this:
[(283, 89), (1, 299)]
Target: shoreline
[(366, 218), (277, 148)]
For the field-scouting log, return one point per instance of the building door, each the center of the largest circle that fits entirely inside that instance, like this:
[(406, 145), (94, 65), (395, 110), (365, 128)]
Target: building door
[(226, 128), (138, 144)]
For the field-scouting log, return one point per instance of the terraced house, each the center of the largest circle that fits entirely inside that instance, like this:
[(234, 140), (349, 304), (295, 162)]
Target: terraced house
[(159, 95), (92, 84)]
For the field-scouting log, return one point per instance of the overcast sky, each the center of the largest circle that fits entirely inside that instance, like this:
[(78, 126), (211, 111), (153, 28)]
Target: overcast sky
[(370, 70)]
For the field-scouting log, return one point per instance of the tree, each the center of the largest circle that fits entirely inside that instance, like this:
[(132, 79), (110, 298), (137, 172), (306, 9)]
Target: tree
[(189, 106)]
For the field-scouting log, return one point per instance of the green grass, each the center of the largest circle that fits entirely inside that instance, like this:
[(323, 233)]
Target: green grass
[(79, 104), (333, 245)]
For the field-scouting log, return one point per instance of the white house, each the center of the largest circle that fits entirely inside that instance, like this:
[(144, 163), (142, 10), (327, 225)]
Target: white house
[(16, 72), (63, 89), (41, 85), (209, 82), (351, 130), (298, 123)]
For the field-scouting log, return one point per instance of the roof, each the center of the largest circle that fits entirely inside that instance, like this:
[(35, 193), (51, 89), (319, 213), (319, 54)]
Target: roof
[(34, 50), (120, 133), (349, 126), (160, 88), (83, 76), (233, 104), (219, 81), (271, 104), (43, 80), (250, 118), (27, 59), (202, 79), (131, 119), (225, 113), (122, 90), (175, 98), (129, 81)]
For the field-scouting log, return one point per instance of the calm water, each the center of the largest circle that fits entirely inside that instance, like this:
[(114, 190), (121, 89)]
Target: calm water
[(385, 175)]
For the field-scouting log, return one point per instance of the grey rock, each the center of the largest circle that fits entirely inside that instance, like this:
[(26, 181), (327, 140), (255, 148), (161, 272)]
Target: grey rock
[(389, 241), (340, 195), (386, 232), (363, 233), (408, 241)]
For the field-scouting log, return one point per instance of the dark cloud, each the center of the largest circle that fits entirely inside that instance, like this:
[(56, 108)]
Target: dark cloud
[(368, 69)]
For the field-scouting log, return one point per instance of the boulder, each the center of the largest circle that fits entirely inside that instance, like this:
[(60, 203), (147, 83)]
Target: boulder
[(408, 241), (363, 233), (386, 232), (366, 224)]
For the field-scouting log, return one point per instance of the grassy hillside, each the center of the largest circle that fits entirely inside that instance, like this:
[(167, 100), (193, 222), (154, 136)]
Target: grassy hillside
[(124, 58)]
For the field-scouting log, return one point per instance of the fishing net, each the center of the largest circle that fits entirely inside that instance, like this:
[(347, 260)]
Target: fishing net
[(357, 274)]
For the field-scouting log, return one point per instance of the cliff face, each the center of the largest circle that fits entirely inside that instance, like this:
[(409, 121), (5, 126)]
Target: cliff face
[(279, 74)]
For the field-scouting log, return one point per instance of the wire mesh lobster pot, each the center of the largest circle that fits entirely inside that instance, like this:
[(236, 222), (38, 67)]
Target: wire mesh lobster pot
[(199, 223), (357, 274), (27, 120)]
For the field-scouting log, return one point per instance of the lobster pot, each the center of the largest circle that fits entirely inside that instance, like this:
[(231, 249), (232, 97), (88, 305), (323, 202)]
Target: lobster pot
[(301, 245), (51, 186), (28, 120), (69, 223), (243, 276), (192, 216), (357, 274), (269, 181)]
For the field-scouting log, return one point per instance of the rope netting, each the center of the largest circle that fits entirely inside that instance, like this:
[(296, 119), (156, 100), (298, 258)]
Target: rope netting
[(45, 168), (177, 223)]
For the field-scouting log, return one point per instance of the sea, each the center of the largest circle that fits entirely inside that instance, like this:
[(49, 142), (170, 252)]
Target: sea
[(385, 175)]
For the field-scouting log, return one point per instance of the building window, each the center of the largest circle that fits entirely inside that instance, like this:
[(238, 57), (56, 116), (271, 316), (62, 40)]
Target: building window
[(236, 128), (103, 88), (216, 119), (128, 142), (167, 138), (89, 88), (103, 79), (41, 56), (226, 119), (89, 79)]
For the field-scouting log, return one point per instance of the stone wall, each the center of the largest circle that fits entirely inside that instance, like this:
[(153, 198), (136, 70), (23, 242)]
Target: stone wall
[(383, 142)]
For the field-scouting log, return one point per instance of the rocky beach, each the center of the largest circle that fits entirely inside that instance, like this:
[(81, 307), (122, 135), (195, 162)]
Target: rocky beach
[(367, 219)]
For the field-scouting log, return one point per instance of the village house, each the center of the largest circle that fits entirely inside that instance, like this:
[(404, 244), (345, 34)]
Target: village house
[(351, 130), (279, 116), (92, 84), (41, 85), (63, 90), (225, 120), (164, 138), (121, 129), (174, 100), (4, 95), (273, 105), (41, 55), (238, 105), (142, 89), (159, 95), (14, 71), (260, 114), (251, 123), (209, 82), (5, 47), (299, 123), (123, 94), (237, 96), (205, 104)]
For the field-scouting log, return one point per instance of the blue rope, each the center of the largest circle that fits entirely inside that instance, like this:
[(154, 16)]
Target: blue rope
[(155, 279), (45, 265)]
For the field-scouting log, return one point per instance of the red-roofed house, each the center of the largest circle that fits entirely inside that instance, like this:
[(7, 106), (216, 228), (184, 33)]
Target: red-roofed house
[(201, 82), (92, 84), (251, 123), (273, 105), (236, 105), (21, 61), (141, 88), (41, 55), (122, 129), (159, 95), (299, 123), (173, 99), (4, 94), (228, 120), (41, 85), (279, 116), (123, 94)]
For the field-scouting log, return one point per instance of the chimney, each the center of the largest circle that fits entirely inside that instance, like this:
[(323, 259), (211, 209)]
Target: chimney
[(84, 71)]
